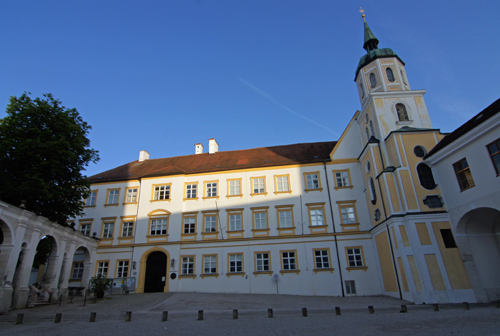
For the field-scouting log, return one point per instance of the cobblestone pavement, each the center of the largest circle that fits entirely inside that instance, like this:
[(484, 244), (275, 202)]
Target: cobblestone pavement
[(182, 308)]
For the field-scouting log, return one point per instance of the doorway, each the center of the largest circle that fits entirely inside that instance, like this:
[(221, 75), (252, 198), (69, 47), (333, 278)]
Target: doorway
[(156, 272)]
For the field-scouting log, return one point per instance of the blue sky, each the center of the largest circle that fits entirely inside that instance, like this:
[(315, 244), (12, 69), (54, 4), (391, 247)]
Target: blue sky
[(163, 75)]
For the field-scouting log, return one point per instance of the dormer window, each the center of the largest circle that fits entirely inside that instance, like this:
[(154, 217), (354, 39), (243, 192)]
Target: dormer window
[(402, 113), (373, 80), (390, 74)]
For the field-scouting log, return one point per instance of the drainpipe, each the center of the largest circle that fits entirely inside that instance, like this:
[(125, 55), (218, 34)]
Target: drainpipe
[(334, 231)]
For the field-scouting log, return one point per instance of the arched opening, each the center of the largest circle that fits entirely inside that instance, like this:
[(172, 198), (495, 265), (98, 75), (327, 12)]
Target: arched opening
[(373, 80), (425, 176), (5, 249), (402, 113), (390, 74), (482, 242), (79, 275), (156, 272), (143, 266), (43, 262)]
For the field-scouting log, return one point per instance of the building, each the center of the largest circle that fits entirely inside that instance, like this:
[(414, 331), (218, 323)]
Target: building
[(363, 215)]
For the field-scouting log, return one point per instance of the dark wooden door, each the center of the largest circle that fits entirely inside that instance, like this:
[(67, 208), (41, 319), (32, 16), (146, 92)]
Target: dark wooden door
[(156, 272)]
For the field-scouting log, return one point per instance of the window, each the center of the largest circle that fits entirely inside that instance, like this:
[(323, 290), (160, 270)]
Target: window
[(189, 224), (433, 201), (161, 192), (262, 262), (131, 195), (210, 189), (348, 214), (107, 229), (312, 181), (403, 76), (289, 260), (350, 287), (464, 175), (187, 265), (322, 259), (234, 187), (159, 226), (282, 183), (235, 263), (419, 151), (448, 240), (128, 229), (235, 222), (377, 215), (372, 130), (494, 150), (367, 134), (373, 193), (77, 270), (373, 80), (285, 219), (402, 113), (90, 201), (368, 166), (260, 218), (102, 268), (85, 228), (342, 179), (316, 214), (390, 74), (210, 223), (354, 257), (425, 176), (122, 269), (209, 264), (362, 90), (258, 185), (112, 198), (191, 191)]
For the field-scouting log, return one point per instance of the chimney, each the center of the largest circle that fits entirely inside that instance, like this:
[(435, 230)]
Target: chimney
[(198, 148), (213, 146), (143, 156)]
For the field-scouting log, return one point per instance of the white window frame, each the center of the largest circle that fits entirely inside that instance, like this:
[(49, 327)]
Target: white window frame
[(122, 268)]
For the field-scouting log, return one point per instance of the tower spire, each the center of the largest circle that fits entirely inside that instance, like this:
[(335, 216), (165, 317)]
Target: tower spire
[(371, 42)]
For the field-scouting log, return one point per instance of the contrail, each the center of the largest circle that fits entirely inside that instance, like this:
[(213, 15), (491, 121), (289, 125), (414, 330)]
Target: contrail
[(266, 95)]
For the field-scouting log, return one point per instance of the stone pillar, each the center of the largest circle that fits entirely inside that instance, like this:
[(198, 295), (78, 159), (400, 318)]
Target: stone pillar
[(66, 271), (54, 270)]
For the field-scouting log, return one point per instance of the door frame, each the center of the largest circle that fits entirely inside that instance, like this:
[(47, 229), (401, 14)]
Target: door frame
[(142, 269)]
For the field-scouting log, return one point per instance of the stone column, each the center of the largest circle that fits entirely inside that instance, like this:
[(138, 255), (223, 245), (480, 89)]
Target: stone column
[(66, 271)]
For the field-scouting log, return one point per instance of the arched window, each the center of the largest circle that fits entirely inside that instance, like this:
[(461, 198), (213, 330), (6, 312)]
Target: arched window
[(377, 214), (425, 176), (403, 76), (373, 80), (402, 114), (371, 128), (367, 134), (362, 90), (372, 191), (390, 74), (368, 166)]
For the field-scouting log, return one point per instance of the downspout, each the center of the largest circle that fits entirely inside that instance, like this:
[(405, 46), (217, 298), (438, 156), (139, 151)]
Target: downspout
[(135, 226), (334, 231)]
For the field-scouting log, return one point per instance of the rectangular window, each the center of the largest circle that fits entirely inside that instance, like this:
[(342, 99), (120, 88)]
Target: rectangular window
[(159, 226), (342, 179), (107, 230), (211, 189), (316, 215), (189, 225), (258, 185), (464, 175), (260, 220), (102, 268), (282, 183), (192, 190), (350, 287), (262, 262), (85, 228), (285, 219), (187, 265), (348, 214), (90, 201), (210, 264), (127, 229), (211, 223), (77, 270), (131, 195), (235, 222), (161, 192), (122, 269), (113, 195), (235, 263), (354, 257), (289, 260), (321, 259), (494, 150), (312, 181), (234, 187)]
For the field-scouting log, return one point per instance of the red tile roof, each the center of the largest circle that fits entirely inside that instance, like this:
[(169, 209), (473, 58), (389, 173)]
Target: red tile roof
[(220, 161)]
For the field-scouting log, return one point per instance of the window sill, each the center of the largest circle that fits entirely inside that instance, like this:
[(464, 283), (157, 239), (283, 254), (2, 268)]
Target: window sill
[(364, 268), (106, 239), (282, 192), (240, 195), (157, 236), (187, 276), (404, 122), (308, 190), (318, 226), (210, 232), (349, 187), (127, 203), (235, 231), (259, 194), (127, 237), (89, 206), (190, 199), (107, 205), (211, 197), (287, 228), (209, 275), (316, 270), (235, 273), (161, 200), (263, 272), (260, 230), (289, 271), (461, 190)]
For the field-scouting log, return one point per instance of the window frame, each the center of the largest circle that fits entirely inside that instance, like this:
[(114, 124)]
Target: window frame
[(467, 173), (73, 268), (260, 210), (285, 231), (242, 271), (425, 175), (210, 274), (240, 180), (206, 189), (269, 263), (97, 267), (94, 198), (495, 154), (306, 174), (83, 222), (316, 206), (340, 171), (192, 229), (328, 256), (153, 192), (108, 191), (125, 199), (252, 181), (182, 268), (390, 73), (117, 268), (105, 223), (295, 258), (158, 215), (362, 254), (188, 196), (124, 220), (276, 184), (211, 213), (232, 212)]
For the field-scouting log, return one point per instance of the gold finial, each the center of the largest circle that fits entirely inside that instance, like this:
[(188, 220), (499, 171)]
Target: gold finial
[(362, 11)]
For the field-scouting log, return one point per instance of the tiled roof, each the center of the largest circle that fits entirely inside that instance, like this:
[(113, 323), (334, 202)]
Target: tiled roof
[(220, 161), (478, 119)]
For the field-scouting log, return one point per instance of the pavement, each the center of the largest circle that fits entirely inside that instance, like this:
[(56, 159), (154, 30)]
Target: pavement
[(218, 319)]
